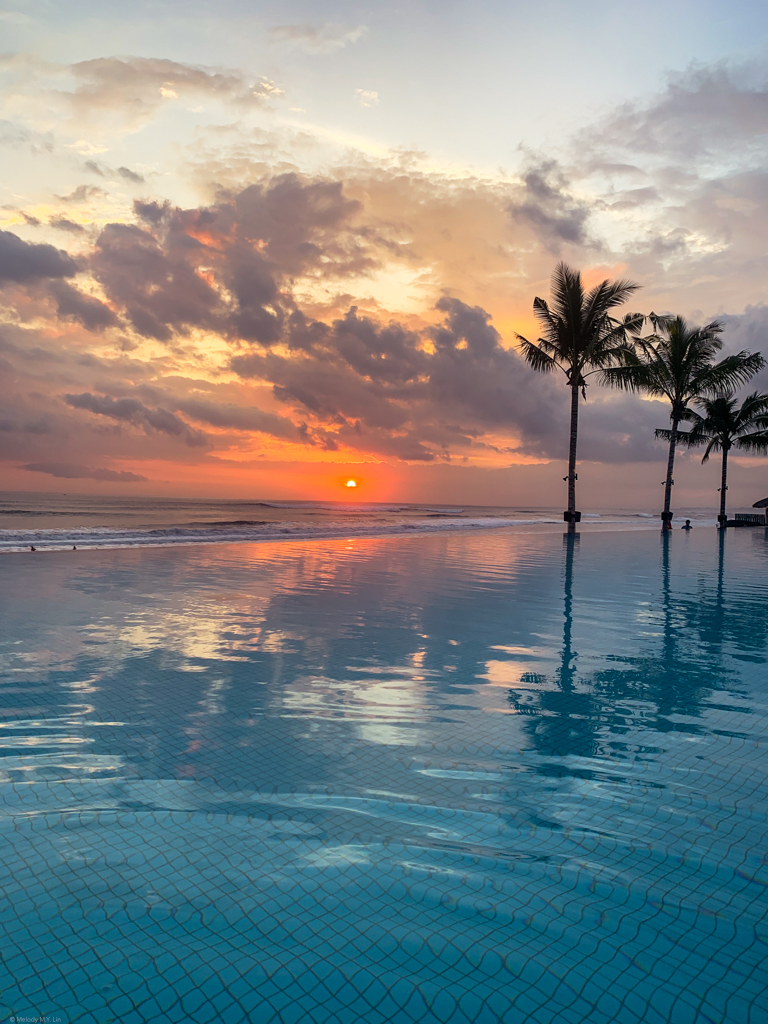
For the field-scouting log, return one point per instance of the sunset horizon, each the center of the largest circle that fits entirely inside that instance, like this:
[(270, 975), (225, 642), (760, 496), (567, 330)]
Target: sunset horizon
[(228, 274), (383, 511)]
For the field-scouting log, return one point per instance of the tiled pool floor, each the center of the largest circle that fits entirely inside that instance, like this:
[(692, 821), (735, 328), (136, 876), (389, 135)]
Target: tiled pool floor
[(458, 778)]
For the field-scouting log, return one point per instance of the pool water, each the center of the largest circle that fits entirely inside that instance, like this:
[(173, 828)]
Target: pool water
[(456, 778)]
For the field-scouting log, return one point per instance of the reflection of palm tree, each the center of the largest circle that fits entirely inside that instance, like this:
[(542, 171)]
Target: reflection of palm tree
[(566, 717), (690, 665), (572, 714), (742, 626), (725, 425)]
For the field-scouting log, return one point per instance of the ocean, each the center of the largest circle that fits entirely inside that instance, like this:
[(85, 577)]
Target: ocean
[(61, 521)]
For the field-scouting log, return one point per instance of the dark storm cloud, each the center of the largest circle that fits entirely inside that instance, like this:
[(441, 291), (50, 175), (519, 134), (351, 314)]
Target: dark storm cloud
[(23, 262), (131, 410), (73, 471)]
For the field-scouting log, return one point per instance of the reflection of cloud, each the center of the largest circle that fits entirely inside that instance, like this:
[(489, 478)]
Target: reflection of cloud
[(384, 706)]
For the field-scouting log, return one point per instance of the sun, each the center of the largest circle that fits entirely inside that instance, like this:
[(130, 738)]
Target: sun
[(351, 483)]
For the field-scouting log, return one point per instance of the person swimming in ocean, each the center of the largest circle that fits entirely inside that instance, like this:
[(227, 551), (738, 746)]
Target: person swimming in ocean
[(32, 547), (687, 525)]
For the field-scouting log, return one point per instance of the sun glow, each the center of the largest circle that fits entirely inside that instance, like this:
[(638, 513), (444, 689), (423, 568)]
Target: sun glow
[(351, 483)]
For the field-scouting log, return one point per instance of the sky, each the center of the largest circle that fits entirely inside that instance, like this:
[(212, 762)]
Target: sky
[(255, 250)]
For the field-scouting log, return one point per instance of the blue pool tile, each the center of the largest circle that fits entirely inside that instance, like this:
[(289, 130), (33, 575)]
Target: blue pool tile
[(535, 837)]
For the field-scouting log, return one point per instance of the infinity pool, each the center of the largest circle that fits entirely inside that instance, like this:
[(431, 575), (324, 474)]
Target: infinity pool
[(455, 778)]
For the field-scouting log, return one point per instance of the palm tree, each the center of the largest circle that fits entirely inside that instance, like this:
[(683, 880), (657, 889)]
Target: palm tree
[(580, 337), (725, 425), (677, 362)]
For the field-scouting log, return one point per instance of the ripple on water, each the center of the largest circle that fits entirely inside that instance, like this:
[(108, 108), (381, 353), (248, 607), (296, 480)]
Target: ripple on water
[(445, 778)]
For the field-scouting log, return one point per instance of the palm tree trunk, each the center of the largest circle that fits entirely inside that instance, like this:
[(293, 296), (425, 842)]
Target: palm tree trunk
[(723, 488), (572, 459), (666, 517)]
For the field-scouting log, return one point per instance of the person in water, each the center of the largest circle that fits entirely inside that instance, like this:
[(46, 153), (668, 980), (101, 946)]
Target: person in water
[(687, 525)]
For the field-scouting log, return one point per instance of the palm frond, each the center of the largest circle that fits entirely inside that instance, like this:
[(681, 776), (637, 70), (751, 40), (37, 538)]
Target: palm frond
[(536, 357), (603, 298), (753, 408), (630, 375), (729, 374), (713, 446), (683, 437), (756, 442)]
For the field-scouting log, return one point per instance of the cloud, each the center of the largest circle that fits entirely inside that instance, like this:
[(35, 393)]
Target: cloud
[(131, 410), (82, 194), (123, 172), (367, 97), (236, 417), (128, 175), (702, 111), (221, 268), (116, 95), (159, 290), (241, 269), (93, 314), (379, 387), (318, 39), (550, 209), (286, 280), (23, 262), (73, 471), (65, 224), (137, 87), (21, 136)]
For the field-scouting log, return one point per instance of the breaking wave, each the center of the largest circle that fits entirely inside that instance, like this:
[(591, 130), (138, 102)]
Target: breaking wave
[(237, 531)]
